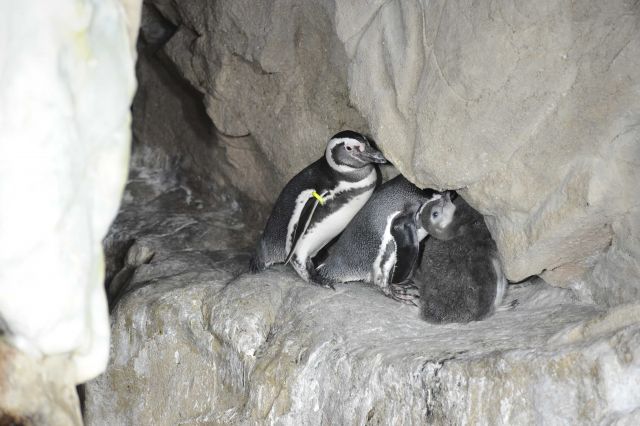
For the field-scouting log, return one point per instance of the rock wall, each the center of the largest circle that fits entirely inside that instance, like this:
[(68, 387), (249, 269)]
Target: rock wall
[(273, 83), (66, 89), (531, 112)]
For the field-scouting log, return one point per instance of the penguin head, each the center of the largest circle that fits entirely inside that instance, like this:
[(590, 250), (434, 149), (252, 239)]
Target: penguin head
[(348, 151), (437, 217)]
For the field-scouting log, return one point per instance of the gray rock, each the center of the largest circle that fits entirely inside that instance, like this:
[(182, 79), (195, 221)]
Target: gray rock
[(67, 84), (233, 348), (273, 83), (271, 349), (531, 110), (166, 225)]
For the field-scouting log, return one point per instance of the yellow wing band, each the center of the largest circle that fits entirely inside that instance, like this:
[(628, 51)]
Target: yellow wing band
[(318, 197)]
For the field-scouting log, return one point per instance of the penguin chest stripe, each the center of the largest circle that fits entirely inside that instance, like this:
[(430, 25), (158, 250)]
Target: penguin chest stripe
[(386, 259), (366, 184), (501, 284)]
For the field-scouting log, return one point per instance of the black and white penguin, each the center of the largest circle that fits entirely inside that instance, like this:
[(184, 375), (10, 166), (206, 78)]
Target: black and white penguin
[(381, 244), (460, 276), (317, 204)]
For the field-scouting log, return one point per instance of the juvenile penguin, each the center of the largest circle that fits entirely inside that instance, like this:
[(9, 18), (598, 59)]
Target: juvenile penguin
[(460, 277), (381, 243), (317, 204)]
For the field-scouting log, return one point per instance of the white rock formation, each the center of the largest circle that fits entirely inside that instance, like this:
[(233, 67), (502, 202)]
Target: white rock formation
[(67, 79)]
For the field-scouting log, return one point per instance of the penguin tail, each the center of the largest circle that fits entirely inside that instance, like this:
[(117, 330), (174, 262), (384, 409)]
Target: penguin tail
[(256, 264)]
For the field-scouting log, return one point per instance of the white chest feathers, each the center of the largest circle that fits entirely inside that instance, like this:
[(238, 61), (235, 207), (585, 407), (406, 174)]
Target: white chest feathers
[(387, 255), (319, 235)]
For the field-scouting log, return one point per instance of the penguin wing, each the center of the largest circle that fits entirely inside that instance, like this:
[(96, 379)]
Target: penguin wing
[(405, 234), (304, 220)]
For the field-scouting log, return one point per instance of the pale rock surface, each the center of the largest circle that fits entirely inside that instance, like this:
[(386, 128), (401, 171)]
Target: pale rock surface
[(65, 93), (226, 347), (36, 392)]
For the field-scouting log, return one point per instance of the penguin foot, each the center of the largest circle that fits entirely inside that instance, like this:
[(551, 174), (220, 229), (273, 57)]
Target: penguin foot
[(406, 293), (303, 267), (316, 278), (323, 284)]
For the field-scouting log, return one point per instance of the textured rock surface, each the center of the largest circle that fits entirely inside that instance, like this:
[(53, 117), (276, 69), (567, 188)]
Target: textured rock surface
[(233, 348), (532, 112), (171, 131), (66, 89), (35, 392), (273, 83)]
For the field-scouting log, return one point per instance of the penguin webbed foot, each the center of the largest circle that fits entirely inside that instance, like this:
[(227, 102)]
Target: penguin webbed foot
[(323, 284), (405, 292), (317, 279), (307, 272)]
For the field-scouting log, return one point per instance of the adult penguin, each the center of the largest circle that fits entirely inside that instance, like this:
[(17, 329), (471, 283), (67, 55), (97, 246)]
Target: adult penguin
[(318, 203), (381, 244)]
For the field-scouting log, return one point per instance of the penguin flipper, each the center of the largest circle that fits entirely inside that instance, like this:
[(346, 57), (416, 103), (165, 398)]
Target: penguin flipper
[(303, 223), (404, 231), (403, 248)]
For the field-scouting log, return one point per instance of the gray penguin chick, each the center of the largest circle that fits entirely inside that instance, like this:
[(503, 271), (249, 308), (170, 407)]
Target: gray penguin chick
[(381, 244), (460, 276)]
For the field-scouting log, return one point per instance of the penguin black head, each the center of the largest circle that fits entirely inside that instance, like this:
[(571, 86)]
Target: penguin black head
[(437, 217), (349, 150)]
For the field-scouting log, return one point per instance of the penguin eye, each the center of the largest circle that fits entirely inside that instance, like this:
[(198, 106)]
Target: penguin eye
[(434, 215), (348, 148)]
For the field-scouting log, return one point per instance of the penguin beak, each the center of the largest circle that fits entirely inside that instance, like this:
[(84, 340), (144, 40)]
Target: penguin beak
[(371, 155)]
